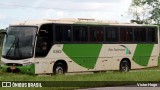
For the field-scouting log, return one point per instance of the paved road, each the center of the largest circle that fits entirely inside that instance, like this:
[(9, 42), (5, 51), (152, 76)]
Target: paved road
[(124, 88), (129, 87)]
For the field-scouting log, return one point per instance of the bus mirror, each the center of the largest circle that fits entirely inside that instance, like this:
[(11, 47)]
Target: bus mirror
[(42, 32), (37, 34)]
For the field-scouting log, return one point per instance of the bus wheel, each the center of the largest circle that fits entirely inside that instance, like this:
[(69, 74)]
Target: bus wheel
[(59, 69), (124, 66)]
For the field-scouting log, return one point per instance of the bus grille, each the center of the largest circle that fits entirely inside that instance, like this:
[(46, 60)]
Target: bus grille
[(13, 64)]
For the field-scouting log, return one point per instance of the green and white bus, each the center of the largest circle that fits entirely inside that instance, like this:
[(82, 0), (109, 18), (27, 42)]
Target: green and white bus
[(78, 45)]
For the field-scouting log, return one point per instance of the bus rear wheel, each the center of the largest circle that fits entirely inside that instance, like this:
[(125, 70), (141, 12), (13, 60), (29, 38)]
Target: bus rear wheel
[(124, 66), (59, 69)]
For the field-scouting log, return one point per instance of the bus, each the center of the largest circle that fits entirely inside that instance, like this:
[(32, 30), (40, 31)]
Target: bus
[(78, 45)]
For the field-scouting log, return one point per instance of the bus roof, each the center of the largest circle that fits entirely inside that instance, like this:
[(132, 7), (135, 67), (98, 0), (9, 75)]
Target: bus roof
[(74, 21)]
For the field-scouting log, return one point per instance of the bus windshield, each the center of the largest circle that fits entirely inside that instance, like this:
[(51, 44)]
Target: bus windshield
[(19, 42)]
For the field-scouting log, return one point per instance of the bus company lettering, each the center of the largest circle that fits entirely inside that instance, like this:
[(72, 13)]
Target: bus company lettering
[(125, 49), (110, 49)]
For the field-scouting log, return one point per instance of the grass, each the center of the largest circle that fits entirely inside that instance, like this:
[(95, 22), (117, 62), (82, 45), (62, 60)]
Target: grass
[(116, 76), (152, 74), (138, 75)]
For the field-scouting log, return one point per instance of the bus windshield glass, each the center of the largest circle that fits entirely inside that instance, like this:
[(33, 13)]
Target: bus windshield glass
[(19, 42)]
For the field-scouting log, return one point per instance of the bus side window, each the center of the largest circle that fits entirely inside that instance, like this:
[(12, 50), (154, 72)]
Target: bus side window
[(62, 33), (140, 35), (111, 34), (136, 35), (80, 33), (151, 35), (96, 34), (126, 34)]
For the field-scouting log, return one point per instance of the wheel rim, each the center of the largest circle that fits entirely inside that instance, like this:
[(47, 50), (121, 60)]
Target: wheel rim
[(59, 70), (124, 67)]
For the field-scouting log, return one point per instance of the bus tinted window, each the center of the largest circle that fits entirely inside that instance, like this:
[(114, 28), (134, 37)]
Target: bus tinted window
[(126, 34), (44, 40), (96, 34), (62, 33), (111, 34), (151, 35), (140, 34), (80, 33)]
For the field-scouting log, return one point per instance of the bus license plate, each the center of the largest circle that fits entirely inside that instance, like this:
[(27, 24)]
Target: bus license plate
[(13, 67)]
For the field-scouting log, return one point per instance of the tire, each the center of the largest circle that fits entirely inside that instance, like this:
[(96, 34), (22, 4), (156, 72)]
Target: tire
[(124, 66), (58, 69)]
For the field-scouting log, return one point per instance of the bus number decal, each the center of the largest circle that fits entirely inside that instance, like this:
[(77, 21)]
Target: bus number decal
[(57, 51)]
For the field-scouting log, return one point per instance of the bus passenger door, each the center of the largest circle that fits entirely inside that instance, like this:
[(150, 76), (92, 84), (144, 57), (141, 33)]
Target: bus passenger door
[(38, 66), (43, 46)]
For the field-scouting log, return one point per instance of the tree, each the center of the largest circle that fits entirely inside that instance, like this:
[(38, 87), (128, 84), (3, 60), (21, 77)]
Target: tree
[(145, 11), (1, 37)]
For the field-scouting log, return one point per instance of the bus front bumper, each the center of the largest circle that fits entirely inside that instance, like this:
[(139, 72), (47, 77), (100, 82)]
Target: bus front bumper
[(30, 69)]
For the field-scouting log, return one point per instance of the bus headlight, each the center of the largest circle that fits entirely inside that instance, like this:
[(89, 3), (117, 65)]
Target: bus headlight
[(27, 64)]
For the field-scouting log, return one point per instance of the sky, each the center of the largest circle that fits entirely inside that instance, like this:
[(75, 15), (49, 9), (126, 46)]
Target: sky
[(24, 10)]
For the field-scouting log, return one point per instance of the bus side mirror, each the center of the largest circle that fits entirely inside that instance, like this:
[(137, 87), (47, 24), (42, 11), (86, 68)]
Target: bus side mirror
[(37, 34), (42, 32)]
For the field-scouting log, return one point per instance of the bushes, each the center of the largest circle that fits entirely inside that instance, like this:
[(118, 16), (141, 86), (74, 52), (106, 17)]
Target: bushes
[(1, 37)]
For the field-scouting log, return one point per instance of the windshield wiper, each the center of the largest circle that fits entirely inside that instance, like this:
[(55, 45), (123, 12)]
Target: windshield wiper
[(16, 43), (17, 47), (9, 51)]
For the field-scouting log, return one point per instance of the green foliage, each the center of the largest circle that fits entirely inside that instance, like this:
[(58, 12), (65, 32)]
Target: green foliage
[(1, 29), (136, 3), (1, 37), (150, 11)]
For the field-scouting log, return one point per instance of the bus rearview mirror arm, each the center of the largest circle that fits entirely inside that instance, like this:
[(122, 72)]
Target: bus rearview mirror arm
[(37, 34), (41, 32)]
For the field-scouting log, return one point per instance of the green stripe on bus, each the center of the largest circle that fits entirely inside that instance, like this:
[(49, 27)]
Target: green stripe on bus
[(85, 55), (142, 54)]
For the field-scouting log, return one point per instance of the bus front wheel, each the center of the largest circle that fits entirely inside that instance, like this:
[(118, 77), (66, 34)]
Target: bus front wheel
[(59, 69), (124, 66)]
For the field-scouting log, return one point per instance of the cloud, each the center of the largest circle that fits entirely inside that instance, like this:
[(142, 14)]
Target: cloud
[(50, 14), (109, 10), (2, 16), (98, 9), (84, 1), (80, 5)]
